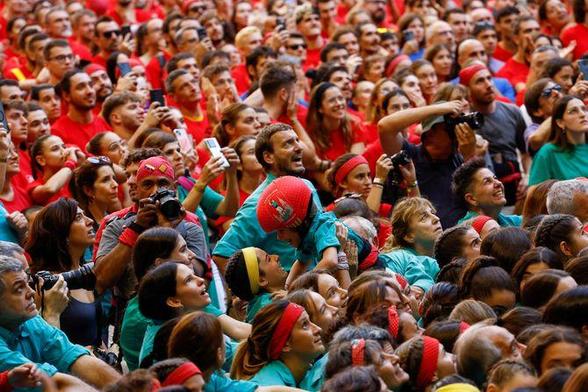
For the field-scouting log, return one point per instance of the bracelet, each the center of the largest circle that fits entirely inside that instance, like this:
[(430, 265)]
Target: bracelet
[(137, 228), (199, 189), (70, 164), (377, 182), (413, 185)]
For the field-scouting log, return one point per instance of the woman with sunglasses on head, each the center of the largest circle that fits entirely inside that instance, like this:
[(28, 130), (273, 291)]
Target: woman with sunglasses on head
[(53, 168), (566, 155), (96, 189)]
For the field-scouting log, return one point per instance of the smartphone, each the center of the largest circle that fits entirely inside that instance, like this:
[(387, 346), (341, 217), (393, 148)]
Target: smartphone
[(215, 150), (126, 30), (583, 66), (183, 140), (124, 68), (281, 22), (408, 36), (3, 118), (201, 33), (157, 96)]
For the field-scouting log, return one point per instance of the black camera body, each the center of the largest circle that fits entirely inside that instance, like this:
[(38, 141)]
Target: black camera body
[(474, 119), (401, 158), (169, 205), (81, 278)]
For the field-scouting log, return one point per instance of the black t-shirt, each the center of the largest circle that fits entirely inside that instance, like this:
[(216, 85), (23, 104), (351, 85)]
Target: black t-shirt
[(434, 178)]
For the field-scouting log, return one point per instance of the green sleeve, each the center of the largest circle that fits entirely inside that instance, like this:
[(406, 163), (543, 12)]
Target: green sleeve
[(540, 167), (210, 201)]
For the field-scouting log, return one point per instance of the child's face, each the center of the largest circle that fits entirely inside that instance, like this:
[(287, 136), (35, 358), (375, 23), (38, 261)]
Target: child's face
[(290, 236)]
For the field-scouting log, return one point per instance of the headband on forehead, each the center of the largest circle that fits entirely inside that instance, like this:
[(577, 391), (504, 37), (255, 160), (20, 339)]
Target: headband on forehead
[(395, 63), (284, 329), (93, 67), (429, 361), (358, 352), (393, 321), (466, 74), (252, 266), (181, 374), (348, 166)]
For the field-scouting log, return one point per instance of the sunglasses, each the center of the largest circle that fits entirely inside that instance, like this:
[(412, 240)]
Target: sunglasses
[(109, 34), (297, 46), (99, 160), (548, 91)]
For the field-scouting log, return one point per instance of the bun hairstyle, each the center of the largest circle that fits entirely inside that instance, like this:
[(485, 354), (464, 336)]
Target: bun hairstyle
[(356, 352), (438, 302), (446, 332), (419, 358), (481, 276), (555, 229)]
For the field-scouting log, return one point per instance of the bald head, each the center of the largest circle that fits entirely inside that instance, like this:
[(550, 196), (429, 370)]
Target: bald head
[(440, 32), (469, 50)]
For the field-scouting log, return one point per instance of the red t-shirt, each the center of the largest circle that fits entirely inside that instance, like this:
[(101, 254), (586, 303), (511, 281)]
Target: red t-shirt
[(80, 49), (24, 162), (78, 134), (372, 152), (99, 59), (63, 192), (198, 128), (301, 113), (338, 147), (3, 32), (514, 71), (21, 200), (241, 78), (15, 70), (502, 54), (578, 33), (154, 71), (313, 58)]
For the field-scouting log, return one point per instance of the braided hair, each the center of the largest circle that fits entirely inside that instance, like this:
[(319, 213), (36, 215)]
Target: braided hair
[(554, 229)]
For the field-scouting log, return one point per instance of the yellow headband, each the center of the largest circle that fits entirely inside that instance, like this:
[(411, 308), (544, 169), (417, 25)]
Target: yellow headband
[(252, 268), (459, 387)]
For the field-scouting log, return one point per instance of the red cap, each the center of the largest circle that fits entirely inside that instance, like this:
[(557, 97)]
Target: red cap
[(134, 62), (479, 222), (93, 67), (466, 74), (155, 166), (283, 204)]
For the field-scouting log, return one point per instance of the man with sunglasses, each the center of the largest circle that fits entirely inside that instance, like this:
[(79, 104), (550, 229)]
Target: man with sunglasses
[(108, 38)]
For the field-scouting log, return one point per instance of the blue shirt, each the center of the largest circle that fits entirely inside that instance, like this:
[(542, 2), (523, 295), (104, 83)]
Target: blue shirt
[(6, 232), (418, 270), (274, 373), (314, 378), (256, 303), (245, 230), (321, 235), (219, 382), (38, 342), (503, 220)]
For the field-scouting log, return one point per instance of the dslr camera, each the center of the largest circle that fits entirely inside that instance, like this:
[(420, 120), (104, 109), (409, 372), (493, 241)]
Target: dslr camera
[(401, 158), (81, 278), (169, 205), (474, 119)]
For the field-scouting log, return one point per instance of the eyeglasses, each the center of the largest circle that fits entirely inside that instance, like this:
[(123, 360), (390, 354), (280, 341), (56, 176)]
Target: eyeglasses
[(109, 34), (63, 57), (548, 91), (297, 46), (99, 160)]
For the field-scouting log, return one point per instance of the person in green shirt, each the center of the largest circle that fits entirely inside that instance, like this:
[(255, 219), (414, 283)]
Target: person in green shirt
[(408, 250), (282, 346), (264, 274), (186, 340), (566, 155), (478, 189)]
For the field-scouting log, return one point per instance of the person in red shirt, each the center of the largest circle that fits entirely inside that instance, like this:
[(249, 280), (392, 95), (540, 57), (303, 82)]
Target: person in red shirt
[(9, 90), (124, 13), (309, 25), (505, 19), (14, 194), (83, 24), (12, 9), (59, 59), (347, 37), (45, 95), (328, 15), (54, 165), (579, 31), (246, 41), (333, 131), (184, 89), (124, 113), (150, 41), (516, 69), (369, 40), (16, 117), (13, 30), (79, 125), (58, 26), (108, 39), (102, 84)]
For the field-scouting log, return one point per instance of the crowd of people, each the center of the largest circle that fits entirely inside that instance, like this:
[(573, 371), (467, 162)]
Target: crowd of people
[(281, 195)]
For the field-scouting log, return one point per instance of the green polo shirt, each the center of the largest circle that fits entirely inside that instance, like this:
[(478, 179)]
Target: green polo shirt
[(503, 220), (314, 378), (256, 303), (219, 382), (38, 342), (418, 270), (274, 373)]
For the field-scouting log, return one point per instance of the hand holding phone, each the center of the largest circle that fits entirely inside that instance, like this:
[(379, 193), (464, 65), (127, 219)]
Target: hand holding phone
[(215, 150), (156, 95), (583, 66)]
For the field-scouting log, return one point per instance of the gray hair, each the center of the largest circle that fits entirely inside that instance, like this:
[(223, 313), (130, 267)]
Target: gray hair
[(8, 264), (169, 82), (9, 249), (362, 226), (476, 354), (363, 331), (560, 198), (178, 36)]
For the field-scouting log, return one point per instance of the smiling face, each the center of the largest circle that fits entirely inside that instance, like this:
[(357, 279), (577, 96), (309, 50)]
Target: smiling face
[(272, 275), (390, 371), (305, 340), (329, 289), (486, 191)]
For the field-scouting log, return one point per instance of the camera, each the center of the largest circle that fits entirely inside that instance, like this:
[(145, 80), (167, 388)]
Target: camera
[(81, 278), (169, 205), (474, 119), (401, 158)]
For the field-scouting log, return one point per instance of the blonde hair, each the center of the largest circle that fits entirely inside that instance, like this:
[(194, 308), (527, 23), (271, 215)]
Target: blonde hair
[(402, 215), (244, 33)]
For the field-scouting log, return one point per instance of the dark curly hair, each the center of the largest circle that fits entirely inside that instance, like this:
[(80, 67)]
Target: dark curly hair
[(463, 177)]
